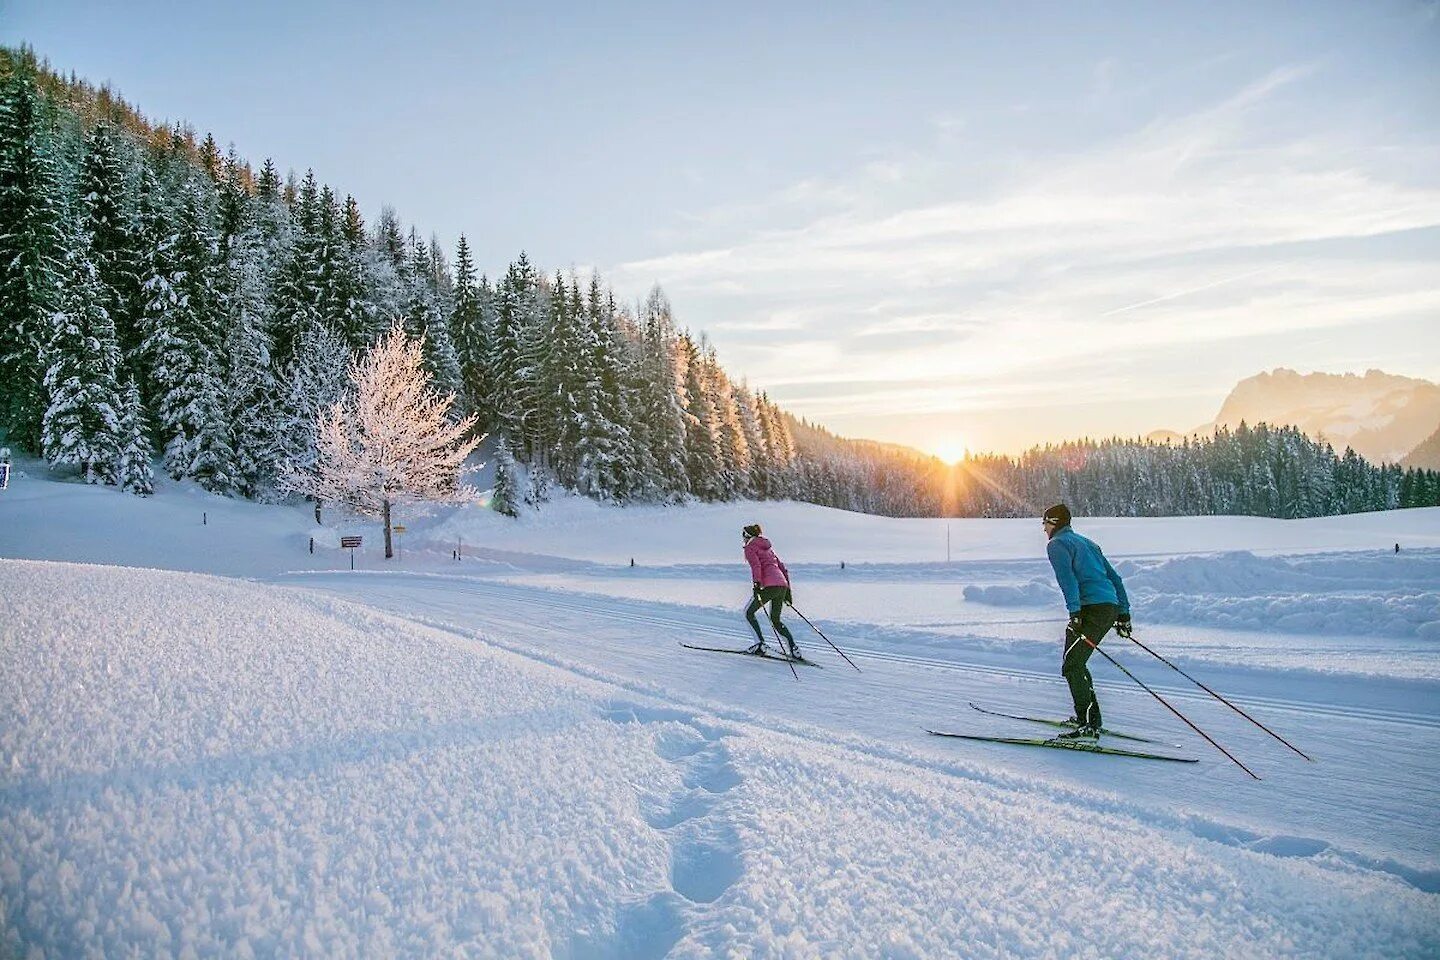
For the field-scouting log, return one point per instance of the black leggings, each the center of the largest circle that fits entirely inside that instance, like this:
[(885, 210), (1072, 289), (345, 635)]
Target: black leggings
[(775, 596), (1096, 619)]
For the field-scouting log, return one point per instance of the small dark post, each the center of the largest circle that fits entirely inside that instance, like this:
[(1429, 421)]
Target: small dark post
[(312, 545), (632, 561), (317, 510), (204, 518), (842, 564), (1397, 548)]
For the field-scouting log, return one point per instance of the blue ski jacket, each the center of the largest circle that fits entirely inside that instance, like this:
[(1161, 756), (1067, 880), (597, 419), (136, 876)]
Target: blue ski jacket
[(1082, 571)]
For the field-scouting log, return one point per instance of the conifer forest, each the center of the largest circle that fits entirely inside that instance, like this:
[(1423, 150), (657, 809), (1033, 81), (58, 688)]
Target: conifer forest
[(166, 303)]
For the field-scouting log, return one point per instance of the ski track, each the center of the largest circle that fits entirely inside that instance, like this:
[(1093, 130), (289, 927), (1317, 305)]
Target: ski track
[(535, 616)]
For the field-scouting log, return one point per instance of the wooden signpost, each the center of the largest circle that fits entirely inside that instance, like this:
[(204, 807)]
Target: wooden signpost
[(350, 543)]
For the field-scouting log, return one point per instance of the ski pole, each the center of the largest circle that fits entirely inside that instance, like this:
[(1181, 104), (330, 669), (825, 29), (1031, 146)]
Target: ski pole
[(776, 634), (1221, 699), (1096, 647), (822, 635)]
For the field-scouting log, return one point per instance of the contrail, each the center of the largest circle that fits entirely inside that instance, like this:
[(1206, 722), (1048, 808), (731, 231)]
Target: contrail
[(1184, 293)]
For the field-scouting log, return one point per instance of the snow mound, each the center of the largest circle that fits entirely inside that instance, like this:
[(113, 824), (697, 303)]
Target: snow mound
[(1033, 593), (1385, 595)]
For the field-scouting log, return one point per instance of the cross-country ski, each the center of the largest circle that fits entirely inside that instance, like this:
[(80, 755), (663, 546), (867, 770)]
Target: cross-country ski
[(1064, 724), (759, 655), (1080, 746)]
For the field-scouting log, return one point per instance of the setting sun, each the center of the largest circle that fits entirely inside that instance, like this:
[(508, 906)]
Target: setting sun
[(952, 449)]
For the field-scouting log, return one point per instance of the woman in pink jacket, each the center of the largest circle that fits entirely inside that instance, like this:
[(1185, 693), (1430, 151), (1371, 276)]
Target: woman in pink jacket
[(772, 586)]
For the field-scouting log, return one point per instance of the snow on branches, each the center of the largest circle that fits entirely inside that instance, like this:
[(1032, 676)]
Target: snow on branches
[(391, 439)]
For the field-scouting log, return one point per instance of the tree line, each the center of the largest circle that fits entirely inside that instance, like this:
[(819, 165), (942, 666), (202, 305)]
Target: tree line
[(162, 298), (1259, 471)]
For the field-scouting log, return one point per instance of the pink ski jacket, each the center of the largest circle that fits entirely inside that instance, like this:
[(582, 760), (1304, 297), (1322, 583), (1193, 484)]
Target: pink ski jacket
[(766, 569)]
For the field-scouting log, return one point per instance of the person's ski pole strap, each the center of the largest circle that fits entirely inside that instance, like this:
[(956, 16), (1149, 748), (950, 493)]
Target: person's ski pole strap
[(823, 637), (1221, 699), (1208, 739)]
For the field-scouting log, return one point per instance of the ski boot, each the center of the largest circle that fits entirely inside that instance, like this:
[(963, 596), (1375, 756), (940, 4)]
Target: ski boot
[(1085, 732), (756, 649)]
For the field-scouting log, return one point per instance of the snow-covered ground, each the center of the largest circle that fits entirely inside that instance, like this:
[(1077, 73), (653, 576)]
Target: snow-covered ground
[(510, 755)]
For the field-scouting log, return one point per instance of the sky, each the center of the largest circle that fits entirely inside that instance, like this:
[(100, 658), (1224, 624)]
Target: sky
[(951, 225)]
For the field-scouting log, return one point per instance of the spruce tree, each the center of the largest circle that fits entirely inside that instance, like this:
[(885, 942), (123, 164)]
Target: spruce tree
[(32, 255), (133, 473), (109, 216), (502, 495), (81, 424)]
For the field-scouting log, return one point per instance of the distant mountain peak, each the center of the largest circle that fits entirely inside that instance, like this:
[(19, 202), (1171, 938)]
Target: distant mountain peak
[(1384, 416)]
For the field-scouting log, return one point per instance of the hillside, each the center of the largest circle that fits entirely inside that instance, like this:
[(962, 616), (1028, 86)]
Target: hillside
[(1426, 456)]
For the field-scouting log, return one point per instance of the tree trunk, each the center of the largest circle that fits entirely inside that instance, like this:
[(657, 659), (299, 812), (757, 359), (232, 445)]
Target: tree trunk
[(385, 514)]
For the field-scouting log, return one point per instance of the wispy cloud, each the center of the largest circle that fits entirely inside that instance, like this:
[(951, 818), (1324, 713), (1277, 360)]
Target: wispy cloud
[(1190, 229)]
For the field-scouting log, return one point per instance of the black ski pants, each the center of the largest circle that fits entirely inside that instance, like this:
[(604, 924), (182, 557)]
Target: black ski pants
[(1096, 619), (775, 597)]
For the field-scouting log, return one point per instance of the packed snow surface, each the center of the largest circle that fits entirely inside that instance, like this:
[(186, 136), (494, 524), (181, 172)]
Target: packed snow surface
[(509, 754)]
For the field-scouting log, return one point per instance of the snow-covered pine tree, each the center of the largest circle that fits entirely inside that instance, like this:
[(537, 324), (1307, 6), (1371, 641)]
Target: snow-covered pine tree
[(391, 440), (749, 419), (109, 216), (658, 397), (516, 306), (616, 469), (32, 254), (183, 343), (702, 450), (467, 328), (311, 382), (81, 424), (502, 495), (556, 411), (424, 322), (734, 474), (133, 472), (354, 309), (251, 398), (297, 286)]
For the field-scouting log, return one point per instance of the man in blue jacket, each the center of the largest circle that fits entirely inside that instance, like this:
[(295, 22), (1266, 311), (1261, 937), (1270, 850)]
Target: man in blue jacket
[(1096, 600)]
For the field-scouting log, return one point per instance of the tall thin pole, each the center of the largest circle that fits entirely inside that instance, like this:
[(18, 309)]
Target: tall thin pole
[(823, 637), (1096, 647), (1221, 699)]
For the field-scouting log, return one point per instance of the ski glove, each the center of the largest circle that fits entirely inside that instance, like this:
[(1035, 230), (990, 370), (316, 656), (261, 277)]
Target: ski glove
[(1072, 629), (789, 597), (1123, 626), (756, 584)]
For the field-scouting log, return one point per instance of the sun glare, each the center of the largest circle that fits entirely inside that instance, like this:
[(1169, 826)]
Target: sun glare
[(951, 450)]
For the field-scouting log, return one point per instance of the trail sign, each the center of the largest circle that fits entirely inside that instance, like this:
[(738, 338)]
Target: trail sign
[(350, 543), (4, 475)]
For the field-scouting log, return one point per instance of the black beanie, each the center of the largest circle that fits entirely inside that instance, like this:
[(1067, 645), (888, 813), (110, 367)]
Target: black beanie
[(751, 531), (1059, 513)]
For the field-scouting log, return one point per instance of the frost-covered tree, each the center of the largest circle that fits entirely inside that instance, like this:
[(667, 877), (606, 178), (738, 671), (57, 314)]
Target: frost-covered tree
[(391, 440), (133, 472), (32, 254), (467, 326), (311, 382), (502, 495), (82, 421)]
